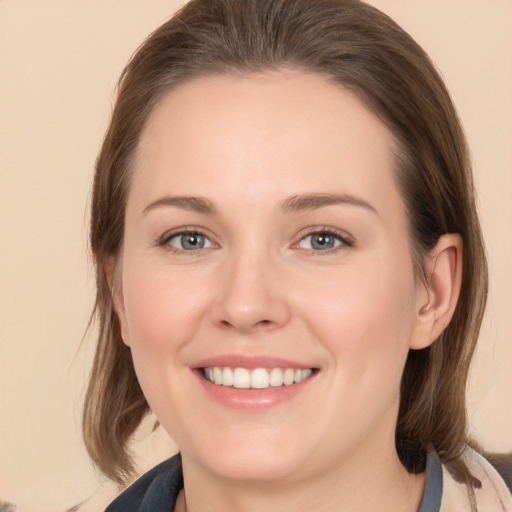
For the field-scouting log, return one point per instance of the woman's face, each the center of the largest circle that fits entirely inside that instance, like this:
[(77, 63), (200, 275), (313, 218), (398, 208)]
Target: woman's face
[(266, 240)]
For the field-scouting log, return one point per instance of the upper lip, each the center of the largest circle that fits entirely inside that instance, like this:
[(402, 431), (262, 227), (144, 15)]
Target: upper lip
[(249, 362)]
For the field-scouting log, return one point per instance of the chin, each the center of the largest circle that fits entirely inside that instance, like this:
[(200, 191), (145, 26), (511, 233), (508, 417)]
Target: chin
[(252, 462), (257, 469)]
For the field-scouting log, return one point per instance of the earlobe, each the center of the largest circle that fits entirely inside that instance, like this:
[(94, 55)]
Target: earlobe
[(437, 302), (114, 281)]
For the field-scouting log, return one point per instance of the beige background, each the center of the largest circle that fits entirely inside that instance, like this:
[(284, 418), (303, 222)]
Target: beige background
[(59, 61)]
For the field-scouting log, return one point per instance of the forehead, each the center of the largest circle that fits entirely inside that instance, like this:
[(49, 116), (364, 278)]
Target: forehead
[(260, 135)]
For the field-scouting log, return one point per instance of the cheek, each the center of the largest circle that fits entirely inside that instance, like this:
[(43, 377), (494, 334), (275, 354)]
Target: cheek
[(365, 317), (161, 309), (162, 314)]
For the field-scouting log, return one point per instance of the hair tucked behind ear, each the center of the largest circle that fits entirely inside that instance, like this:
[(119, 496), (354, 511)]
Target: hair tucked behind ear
[(362, 50)]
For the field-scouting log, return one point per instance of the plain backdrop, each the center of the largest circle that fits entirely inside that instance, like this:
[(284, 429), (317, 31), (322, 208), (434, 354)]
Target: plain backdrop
[(59, 62)]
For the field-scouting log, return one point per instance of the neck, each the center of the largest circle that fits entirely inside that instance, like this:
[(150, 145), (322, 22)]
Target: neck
[(373, 484)]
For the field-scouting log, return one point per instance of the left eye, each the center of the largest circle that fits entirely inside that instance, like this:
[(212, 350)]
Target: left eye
[(189, 241), (322, 241)]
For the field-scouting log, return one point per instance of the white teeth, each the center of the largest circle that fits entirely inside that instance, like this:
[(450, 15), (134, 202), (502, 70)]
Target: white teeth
[(259, 378), (305, 374), (276, 377), (227, 377), (241, 378), (289, 376)]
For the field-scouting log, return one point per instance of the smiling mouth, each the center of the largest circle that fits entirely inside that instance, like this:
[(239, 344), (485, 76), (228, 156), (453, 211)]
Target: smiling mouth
[(257, 378)]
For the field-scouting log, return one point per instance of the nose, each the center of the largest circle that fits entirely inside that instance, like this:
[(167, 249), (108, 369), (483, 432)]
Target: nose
[(251, 295)]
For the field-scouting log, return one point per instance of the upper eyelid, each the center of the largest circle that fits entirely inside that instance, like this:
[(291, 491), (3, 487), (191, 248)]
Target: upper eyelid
[(342, 235), (184, 229), (163, 239)]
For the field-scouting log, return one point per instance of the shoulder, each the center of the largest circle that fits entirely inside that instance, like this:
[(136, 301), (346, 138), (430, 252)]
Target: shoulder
[(502, 462), (154, 491), (492, 495)]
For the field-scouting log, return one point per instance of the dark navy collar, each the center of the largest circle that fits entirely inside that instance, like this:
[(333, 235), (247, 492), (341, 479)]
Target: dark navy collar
[(155, 491)]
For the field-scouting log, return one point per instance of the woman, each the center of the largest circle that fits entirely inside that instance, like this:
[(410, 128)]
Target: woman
[(290, 267)]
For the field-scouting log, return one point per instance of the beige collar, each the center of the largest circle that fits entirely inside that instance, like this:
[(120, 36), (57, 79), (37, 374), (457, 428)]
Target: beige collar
[(493, 496)]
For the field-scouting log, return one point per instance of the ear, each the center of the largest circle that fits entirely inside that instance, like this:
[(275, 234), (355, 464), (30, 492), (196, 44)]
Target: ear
[(437, 299), (112, 271)]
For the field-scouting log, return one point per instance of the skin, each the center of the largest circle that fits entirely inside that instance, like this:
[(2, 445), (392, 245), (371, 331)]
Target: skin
[(248, 144)]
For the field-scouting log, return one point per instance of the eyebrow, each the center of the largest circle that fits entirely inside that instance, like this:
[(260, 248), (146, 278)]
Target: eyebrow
[(196, 204), (319, 200), (302, 202)]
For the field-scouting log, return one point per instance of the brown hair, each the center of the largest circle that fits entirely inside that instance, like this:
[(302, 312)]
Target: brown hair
[(363, 50)]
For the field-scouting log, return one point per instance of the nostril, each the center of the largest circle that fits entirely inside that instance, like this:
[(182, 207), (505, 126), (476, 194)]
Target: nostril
[(262, 324)]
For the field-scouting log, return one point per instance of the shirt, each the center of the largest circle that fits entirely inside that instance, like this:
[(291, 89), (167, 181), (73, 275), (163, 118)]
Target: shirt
[(158, 489)]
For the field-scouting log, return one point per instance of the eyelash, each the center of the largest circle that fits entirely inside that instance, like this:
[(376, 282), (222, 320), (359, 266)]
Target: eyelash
[(345, 240), (340, 236), (167, 237)]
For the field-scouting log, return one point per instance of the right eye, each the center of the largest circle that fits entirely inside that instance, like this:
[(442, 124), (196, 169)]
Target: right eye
[(188, 241)]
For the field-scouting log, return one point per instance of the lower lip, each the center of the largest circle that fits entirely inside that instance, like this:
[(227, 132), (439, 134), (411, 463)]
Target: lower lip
[(253, 399)]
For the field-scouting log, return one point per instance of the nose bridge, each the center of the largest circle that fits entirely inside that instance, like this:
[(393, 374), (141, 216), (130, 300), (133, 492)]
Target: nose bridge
[(251, 295)]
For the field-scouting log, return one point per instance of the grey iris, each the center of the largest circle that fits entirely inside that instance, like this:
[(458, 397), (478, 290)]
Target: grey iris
[(322, 241), (191, 241)]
